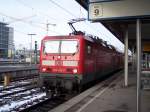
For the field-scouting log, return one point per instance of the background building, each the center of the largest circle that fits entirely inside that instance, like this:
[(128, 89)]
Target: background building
[(6, 41)]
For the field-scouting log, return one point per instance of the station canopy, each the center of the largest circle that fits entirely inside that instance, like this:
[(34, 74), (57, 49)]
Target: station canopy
[(116, 15)]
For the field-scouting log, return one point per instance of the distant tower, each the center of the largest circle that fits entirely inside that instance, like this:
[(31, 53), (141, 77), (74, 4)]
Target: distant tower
[(6, 41)]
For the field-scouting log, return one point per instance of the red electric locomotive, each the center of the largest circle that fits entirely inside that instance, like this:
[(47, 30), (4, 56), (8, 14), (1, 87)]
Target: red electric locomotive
[(74, 60)]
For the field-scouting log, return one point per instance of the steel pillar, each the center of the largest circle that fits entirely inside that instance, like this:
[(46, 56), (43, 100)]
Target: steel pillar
[(138, 46), (126, 58)]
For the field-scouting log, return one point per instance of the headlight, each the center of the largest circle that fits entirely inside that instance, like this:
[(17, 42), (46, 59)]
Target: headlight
[(75, 70), (43, 69), (58, 57)]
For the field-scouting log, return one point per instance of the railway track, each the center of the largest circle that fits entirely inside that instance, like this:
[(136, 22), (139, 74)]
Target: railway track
[(44, 105), (15, 90), (18, 92), (21, 83), (22, 100), (25, 96), (50, 103)]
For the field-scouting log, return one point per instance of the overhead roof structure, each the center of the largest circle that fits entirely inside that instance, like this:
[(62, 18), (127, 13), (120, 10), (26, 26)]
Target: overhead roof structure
[(129, 21), (116, 26)]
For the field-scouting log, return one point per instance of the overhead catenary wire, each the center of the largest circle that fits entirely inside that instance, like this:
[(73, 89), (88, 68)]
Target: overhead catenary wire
[(36, 11), (33, 25), (20, 19), (20, 32), (16, 19), (56, 4), (41, 13), (70, 13), (61, 7)]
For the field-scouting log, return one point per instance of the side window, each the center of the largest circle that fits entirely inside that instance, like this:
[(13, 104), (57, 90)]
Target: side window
[(89, 49)]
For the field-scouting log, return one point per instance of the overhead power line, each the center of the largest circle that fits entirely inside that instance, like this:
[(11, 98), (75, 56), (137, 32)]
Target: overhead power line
[(16, 19), (62, 8), (33, 25), (21, 32), (67, 11), (21, 19), (37, 11)]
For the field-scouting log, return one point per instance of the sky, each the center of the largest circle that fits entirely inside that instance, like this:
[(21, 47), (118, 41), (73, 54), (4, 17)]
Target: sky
[(31, 16)]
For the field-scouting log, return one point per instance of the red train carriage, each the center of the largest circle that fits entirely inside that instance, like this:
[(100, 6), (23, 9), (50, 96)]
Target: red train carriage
[(72, 61)]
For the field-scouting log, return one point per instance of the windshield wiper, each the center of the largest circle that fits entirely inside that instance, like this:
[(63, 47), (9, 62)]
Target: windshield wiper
[(73, 53)]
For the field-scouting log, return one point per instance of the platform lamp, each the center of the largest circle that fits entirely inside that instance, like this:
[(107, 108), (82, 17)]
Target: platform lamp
[(31, 34)]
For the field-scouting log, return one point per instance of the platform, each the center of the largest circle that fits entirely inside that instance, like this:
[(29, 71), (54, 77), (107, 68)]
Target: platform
[(108, 98), (14, 68)]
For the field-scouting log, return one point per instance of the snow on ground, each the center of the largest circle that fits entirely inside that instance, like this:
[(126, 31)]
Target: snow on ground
[(16, 104)]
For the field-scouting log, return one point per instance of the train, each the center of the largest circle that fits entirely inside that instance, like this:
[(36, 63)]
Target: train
[(69, 62)]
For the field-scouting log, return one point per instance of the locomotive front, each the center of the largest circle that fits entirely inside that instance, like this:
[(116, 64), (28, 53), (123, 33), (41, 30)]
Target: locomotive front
[(61, 62)]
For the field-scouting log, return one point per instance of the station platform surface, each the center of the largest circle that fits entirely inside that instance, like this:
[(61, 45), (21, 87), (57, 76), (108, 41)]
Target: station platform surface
[(19, 67), (112, 97)]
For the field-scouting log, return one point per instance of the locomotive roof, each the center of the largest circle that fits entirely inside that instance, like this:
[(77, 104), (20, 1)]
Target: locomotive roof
[(101, 41), (91, 38)]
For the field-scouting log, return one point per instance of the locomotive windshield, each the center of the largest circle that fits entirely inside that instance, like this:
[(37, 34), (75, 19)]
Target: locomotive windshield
[(61, 46), (51, 47)]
